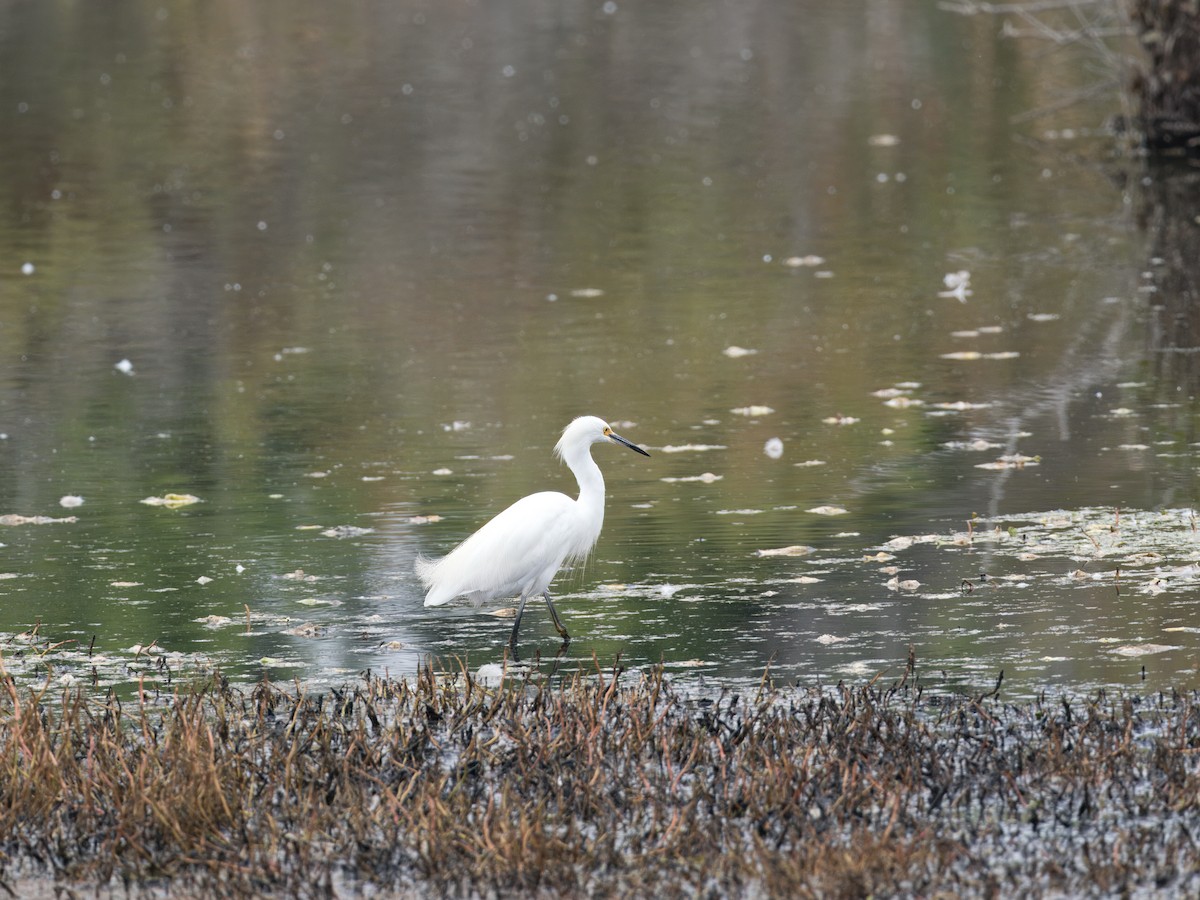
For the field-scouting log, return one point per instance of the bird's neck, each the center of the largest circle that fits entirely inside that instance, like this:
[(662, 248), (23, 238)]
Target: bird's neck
[(587, 473)]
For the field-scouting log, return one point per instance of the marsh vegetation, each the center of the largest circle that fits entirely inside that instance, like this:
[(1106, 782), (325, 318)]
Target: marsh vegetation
[(608, 784)]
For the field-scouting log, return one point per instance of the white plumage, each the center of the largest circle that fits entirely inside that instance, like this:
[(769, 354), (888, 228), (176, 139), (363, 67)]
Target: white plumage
[(518, 553)]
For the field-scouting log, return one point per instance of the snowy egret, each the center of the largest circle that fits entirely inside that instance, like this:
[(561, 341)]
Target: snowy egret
[(519, 552)]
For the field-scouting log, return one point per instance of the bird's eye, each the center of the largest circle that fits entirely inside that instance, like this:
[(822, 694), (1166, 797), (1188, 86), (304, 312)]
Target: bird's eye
[(607, 432)]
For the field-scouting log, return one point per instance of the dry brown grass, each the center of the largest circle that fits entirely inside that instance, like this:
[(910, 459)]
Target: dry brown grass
[(608, 785)]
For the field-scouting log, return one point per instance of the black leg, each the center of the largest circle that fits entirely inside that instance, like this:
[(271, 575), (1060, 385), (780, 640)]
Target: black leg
[(512, 641), (562, 630)]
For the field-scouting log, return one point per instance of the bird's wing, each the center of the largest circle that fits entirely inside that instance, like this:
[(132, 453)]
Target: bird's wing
[(507, 555)]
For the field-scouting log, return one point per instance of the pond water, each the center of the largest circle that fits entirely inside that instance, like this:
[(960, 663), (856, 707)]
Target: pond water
[(344, 274)]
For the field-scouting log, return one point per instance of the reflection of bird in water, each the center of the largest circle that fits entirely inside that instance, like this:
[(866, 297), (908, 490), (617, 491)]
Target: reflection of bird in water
[(519, 551)]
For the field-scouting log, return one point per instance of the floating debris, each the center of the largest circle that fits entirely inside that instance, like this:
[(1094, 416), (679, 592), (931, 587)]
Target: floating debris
[(978, 444), (587, 292), (793, 550), (840, 420), (13, 519), (773, 448), (1138, 551), (828, 510), (706, 478), (958, 285), (346, 531), (1011, 461), (810, 261), (691, 448), (70, 501), (975, 354), (906, 541), (124, 366), (490, 674), (883, 140), (752, 411), (504, 612), (443, 471), (298, 575), (736, 352), (1142, 649), (962, 406), (306, 630), (172, 501), (903, 402), (810, 462)]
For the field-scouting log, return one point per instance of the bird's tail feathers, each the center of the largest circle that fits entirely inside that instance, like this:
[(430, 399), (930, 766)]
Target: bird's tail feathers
[(424, 567), (427, 571)]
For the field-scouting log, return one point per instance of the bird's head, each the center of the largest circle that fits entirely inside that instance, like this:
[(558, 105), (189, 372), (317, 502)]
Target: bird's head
[(588, 430)]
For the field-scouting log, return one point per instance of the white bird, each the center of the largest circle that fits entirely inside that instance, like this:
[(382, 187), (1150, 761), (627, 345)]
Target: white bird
[(519, 552)]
